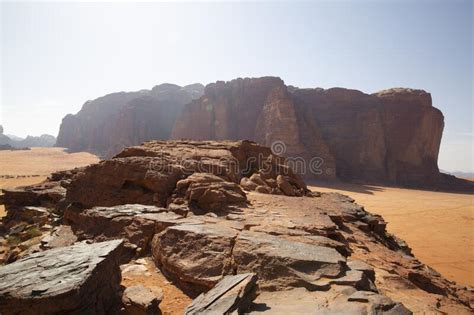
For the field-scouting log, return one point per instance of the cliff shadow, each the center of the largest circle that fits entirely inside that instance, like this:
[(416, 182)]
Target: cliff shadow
[(346, 186)]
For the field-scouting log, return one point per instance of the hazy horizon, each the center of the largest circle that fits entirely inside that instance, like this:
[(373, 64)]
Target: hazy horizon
[(56, 56)]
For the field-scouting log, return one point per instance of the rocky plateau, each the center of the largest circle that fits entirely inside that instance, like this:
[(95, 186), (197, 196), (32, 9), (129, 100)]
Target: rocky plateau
[(229, 224)]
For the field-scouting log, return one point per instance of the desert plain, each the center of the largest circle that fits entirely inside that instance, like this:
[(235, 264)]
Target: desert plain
[(438, 226)]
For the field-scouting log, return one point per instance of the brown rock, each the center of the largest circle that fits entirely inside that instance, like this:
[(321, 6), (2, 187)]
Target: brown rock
[(139, 300), (231, 294), (195, 253), (247, 184), (108, 124), (79, 279), (136, 224), (210, 192)]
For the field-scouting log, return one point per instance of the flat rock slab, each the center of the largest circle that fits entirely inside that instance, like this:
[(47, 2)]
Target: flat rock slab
[(232, 293), (281, 263), (78, 279), (339, 300), (134, 223)]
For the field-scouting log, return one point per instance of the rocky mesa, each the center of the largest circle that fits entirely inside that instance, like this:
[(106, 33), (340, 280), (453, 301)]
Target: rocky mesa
[(392, 136), (108, 124), (389, 137)]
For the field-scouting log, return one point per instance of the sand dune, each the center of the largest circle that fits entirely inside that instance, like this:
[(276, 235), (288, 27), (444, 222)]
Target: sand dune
[(438, 226)]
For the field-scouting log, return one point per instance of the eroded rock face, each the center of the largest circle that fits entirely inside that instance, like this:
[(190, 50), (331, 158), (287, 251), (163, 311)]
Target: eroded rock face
[(196, 253), (391, 136), (201, 173), (136, 224), (108, 124), (79, 279)]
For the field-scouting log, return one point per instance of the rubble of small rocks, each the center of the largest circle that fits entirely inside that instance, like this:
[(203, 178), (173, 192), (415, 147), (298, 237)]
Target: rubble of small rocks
[(196, 208)]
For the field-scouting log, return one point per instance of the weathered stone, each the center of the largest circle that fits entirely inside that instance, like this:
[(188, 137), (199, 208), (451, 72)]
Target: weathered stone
[(60, 236), (78, 279), (263, 189), (136, 224), (195, 253), (46, 194), (280, 263), (209, 192), (148, 174), (336, 300), (231, 294), (362, 266), (139, 300), (107, 124), (247, 184)]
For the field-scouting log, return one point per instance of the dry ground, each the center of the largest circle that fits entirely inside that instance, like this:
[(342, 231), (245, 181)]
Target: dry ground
[(438, 226), (26, 167)]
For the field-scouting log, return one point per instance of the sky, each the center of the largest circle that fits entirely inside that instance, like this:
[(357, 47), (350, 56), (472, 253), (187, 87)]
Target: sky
[(56, 56)]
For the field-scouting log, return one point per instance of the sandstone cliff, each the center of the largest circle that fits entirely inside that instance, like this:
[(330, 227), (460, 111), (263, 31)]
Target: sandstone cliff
[(391, 136), (108, 124)]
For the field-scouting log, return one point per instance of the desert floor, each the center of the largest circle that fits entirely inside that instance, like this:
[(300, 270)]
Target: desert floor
[(438, 226), (26, 167)]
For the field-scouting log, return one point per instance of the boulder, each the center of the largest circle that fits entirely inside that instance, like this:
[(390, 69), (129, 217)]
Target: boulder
[(208, 192), (139, 300), (195, 253), (231, 294), (78, 279), (135, 224)]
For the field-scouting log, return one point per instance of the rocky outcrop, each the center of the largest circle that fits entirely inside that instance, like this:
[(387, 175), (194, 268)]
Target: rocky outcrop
[(172, 173), (106, 125), (181, 203), (135, 224), (79, 279)]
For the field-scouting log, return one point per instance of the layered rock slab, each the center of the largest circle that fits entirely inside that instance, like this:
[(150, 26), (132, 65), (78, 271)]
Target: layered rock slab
[(82, 278), (159, 172), (338, 300), (231, 294), (136, 224)]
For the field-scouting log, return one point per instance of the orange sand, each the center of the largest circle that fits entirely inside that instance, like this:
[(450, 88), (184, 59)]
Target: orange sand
[(21, 165), (438, 226)]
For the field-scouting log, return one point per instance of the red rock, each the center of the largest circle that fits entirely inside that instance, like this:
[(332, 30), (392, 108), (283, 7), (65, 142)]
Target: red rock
[(108, 124)]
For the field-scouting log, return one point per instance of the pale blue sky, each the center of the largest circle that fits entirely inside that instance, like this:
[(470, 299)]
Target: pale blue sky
[(55, 56)]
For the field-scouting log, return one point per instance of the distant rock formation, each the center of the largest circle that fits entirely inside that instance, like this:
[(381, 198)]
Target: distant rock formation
[(392, 136), (30, 141), (108, 124)]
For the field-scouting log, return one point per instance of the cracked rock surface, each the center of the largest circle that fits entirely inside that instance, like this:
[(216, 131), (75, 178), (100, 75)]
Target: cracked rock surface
[(82, 278)]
